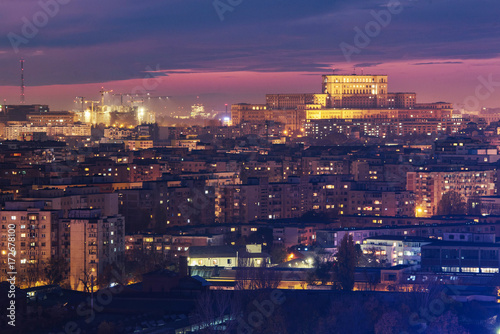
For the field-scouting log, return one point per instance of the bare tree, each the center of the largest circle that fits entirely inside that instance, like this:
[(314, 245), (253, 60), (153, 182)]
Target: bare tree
[(88, 281), (254, 278), (56, 270), (34, 273), (216, 312), (265, 278)]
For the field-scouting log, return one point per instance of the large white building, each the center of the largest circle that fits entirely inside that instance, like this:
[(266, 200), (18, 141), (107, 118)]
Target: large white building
[(395, 250), (21, 130)]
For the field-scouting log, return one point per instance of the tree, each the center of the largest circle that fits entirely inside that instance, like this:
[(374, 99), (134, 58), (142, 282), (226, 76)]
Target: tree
[(278, 254), (447, 323), (451, 203), (347, 258), (215, 312), (106, 328), (108, 275), (88, 281), (368, 257), (141, 261), (255, 278), (56, 269), (474, 205), (390, 323), (321, 272), (32, 275)]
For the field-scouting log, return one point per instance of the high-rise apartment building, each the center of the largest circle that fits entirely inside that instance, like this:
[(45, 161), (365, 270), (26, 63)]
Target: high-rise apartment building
[(95, 242), (86, 240), (30, 234), (430, 185)]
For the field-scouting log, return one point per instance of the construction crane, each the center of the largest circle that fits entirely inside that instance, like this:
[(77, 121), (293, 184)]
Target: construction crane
[(121, 97), (102, 91), (80, 99), (93, 117), (22, 81), (92, 103), (141, 98)]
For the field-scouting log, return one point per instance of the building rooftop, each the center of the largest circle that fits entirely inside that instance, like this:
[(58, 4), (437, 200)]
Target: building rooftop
[(400, 238), (463, 244), (213, 251)]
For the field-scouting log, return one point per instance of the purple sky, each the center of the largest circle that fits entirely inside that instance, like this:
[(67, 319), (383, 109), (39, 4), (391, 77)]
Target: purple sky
[(439, 49)]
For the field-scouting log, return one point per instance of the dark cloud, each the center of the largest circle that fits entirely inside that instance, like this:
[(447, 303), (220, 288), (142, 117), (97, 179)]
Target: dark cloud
[(440, 63), (96, 41), (367, 64)]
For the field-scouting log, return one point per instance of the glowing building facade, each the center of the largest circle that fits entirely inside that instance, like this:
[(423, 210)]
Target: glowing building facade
[(345, 97)]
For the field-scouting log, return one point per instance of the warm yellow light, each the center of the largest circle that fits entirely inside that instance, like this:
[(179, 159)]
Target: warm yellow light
[(418, 211)]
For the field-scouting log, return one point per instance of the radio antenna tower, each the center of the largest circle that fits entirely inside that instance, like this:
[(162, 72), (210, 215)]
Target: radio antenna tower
[(22, 81)]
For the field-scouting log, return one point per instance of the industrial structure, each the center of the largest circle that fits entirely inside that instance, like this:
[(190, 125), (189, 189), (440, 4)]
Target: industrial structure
[(127, 110)]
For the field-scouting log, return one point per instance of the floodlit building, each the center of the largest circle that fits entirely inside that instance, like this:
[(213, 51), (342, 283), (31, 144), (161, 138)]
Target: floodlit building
[(228, 256), (242, 112), (347, 97), (395, 250)]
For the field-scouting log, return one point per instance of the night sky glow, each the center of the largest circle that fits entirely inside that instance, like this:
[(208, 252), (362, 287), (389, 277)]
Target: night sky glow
[(436, 48)]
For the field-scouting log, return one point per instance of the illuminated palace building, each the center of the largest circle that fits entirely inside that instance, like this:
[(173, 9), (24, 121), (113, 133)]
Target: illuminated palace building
[(356, 99)]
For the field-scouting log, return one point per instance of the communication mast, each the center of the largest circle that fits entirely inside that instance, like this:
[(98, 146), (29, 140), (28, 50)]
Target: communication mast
[(22, 81)]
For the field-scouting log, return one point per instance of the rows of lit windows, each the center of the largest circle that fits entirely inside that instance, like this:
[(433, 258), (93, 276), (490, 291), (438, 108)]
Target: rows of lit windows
[(475, 270)]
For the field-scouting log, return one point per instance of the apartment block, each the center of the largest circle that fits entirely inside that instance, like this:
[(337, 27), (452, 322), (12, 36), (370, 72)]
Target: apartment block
[(95, 242), (430, 185)]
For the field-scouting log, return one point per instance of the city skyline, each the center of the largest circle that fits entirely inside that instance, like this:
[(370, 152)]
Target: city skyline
[(236, 53), (212, 167)]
